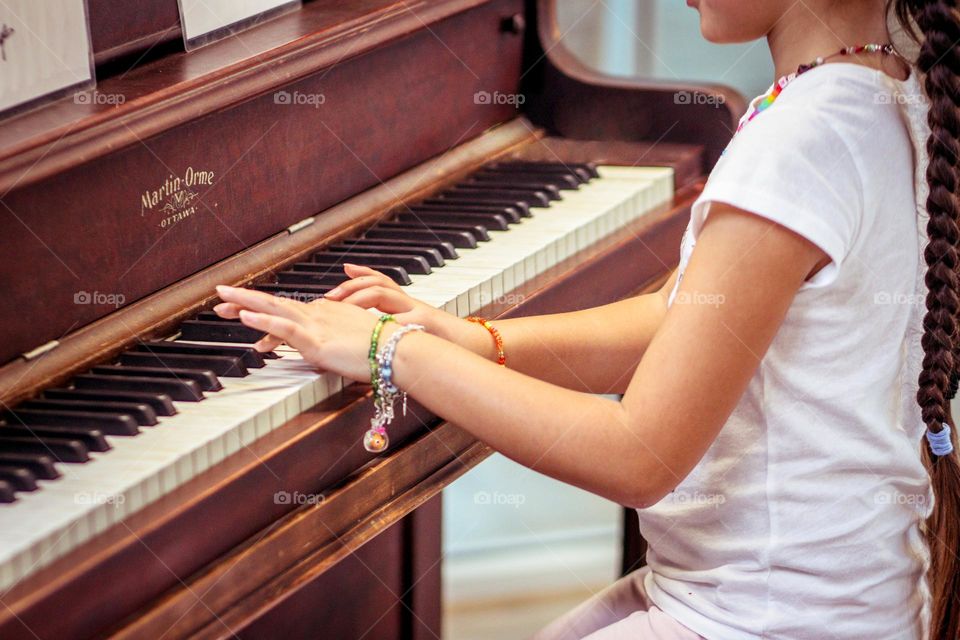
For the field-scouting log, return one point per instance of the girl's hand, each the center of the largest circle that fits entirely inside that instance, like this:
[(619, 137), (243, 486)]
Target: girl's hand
[(332, 336), (369, 288)]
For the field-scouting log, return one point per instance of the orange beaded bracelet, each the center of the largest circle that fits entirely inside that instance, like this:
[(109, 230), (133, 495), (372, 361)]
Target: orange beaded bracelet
[(497, 339)]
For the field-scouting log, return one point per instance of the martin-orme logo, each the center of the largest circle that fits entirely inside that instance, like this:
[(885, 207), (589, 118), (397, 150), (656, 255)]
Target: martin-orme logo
[(176, 198)]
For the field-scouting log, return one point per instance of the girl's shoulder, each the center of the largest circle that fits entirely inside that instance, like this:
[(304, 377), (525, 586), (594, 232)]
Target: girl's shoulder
[(830, 115), (851, 99)]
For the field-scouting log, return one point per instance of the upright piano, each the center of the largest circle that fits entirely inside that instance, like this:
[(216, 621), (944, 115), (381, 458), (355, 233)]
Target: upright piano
[(159, 478)]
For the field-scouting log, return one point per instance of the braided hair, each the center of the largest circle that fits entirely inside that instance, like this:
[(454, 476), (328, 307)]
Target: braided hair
[(938, 62)]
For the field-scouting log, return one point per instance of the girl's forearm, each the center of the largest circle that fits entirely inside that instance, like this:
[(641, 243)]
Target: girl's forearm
[(575, 437), (595, 350)]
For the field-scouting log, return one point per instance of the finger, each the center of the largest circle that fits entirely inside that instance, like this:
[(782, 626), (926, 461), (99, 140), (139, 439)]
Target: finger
[(354, 270), (385, 300), (275, 327), (267, 343), (261, 302), (228, 310), (360, 282)]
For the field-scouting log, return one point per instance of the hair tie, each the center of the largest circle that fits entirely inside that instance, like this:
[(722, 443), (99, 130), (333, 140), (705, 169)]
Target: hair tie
[(940, 443)]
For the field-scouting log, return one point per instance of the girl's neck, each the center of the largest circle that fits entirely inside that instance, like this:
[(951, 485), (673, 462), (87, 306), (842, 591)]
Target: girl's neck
[(801, 36)]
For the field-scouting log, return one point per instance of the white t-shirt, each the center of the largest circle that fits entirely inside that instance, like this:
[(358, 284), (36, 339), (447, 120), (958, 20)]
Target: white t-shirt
[(803, 518)]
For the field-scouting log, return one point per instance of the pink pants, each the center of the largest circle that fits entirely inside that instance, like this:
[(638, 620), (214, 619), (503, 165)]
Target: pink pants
[(620, 611)]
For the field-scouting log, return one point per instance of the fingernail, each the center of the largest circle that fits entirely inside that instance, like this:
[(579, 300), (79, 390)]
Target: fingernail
[(221, 288), (333, 292), (219, 307), (349, 264)]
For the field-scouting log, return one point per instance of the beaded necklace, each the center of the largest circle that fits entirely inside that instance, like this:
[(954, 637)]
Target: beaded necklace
[(778, 87)]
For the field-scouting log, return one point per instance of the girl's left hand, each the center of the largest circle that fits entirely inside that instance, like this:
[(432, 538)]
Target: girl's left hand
[(333, 336)]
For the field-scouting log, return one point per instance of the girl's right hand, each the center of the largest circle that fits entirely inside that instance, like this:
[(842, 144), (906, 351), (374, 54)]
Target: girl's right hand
[(368, 288)]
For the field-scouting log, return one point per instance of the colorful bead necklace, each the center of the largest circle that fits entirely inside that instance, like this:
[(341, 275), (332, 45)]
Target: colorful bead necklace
[(778, 87)]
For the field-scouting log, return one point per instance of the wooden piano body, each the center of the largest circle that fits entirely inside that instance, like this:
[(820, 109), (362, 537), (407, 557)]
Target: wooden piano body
[(218, 556)]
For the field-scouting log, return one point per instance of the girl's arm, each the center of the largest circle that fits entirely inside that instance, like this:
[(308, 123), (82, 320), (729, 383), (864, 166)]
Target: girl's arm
[(635, 451), (593, 350)]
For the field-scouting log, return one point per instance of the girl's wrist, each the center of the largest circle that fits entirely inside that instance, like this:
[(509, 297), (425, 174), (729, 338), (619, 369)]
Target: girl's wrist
[(469, 335)]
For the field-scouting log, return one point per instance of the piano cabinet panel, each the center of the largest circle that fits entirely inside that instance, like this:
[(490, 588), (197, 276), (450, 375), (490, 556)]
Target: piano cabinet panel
[(388, 589), (121, 28)]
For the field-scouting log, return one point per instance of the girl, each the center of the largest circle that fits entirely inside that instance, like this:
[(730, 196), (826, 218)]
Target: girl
[(774, 444)]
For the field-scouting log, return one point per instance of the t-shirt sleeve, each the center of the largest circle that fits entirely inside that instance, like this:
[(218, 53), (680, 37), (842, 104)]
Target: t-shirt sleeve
[(790, 166)]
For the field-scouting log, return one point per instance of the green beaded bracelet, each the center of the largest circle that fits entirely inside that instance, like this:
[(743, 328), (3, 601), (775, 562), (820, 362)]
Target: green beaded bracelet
[(372, 356)]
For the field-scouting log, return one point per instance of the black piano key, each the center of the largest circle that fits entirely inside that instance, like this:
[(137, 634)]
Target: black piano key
[(549, 191), (588, 169), (432, 256), (323, 280), (93, 439), (161, 403), (250, 357), (395, 273), (115, 424), (7, 492), (203, 377), (142, 412), (557, 172), (410, 262), (532, 197), (459, 199), (458, 239), (298, 292), (226, 366), (186, 390), (20, 476), (218, 331), (511, 214), (563, 181), (477, 231), (62, 449), (493, 221), (41, 465), (445, 249)]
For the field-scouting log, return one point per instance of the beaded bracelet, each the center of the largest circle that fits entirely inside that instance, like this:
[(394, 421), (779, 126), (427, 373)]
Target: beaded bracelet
[(385, 358), (497, 339), (375, 439), (385, 393), (372, 354)]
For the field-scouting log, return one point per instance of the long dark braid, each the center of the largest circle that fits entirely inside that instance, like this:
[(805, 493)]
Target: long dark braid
[(939, 63)]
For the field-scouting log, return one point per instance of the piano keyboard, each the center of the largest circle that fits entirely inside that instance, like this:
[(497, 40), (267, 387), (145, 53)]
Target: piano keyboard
[(82, 458)]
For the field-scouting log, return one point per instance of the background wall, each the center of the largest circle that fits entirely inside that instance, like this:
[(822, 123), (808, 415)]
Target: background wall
[(512, 537), (660, 39)]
